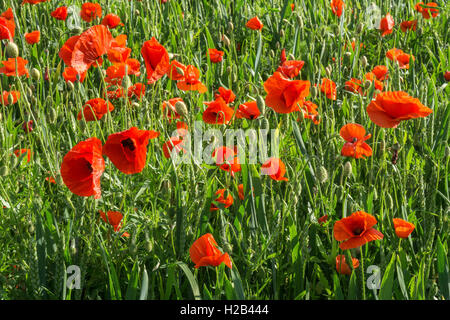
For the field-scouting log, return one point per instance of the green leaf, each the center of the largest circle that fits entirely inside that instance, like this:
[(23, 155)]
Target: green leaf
[(191, 279), (144, 285), (444, 278), (388, 280)]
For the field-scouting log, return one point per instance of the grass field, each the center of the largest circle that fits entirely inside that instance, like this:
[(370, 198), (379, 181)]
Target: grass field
[(54, 243)]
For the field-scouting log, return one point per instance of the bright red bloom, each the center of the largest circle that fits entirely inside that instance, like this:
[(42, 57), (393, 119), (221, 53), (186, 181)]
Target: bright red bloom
[(204, 252), (291, 68), (112, 20), (217, 112), (275, 168), (9, 67), (447, 75), (248, 110), (381, 72), (33, 37), (254, 24), (7, 25), (284, 95), (27, 126), (400, 57), (173, 143), (137, 90), (408, 25), (386, 25), (33, 1), (227, 160), (190, 81), (355, 146), (156, 59), (390, 108), (114, 218), (90, 11), (342, 267), (322, 219), (60, 13), (354, 85), (337, 7), (356, 230), (70, 74), (174, 70), (19, 152), (329, 88), (171, 112), (427, 11), (227, 95), (95, 109), (82, 168), (372, 77), (309, 111), (241, 191), (403, 228), (15, 95), (215, 55), (127, 150), (227, 202)]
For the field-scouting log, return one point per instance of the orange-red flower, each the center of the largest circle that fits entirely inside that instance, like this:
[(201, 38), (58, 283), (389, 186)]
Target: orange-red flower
[(127, 150), (19, 152), (354, 85), (403, 228), (427, 11), (342, 267), (226, 159), (447, 75), (15, 95), (33, 1), (70, 74), (355, 146), (284, 95), (111, 20), (373, 78), (254, 24), (204, 252), (171, 112), (390, 108), (356, 230), (329, 88), (400, 57), (175, 68), (337, 7), (114, 218), (226, 202), (137, 90), (381, 72), (9, 67), (291, 68), (275, 169), (226, 94), (241, 193), (190, 80), (386, 25), (7, 25), (156, 59), (173, 143), (33, 37), (322, 219), (408, 25), (82, 168), (309, 111), (217, 112), (248, 110), (215, 55), (95, 109), (90, 11), (59, 13)]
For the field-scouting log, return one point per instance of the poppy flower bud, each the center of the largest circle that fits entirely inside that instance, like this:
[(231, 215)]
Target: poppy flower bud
[(447, 152), (52, 115), (299, 20), (271, 53), (347, 169), (328, 71), (180, 71), (31, 228), (278, 45), (10, 99), (27, 126), (313, 91), (348, 55), (389, 201), (291, 56), (148, 245), (29, 92), (360, 27), (264, 123), (396, 147), (364, 62), (137, 12), (70, 86), (261, 104), (382, 146), (226, 41), (367, 84), (181, 109), (4, 171), (13, 162), (322, 174), (12, 50), (82, 125), (73, 247), (230, 26), (126, 82), (135, 105), (282, 33), (35, 74)]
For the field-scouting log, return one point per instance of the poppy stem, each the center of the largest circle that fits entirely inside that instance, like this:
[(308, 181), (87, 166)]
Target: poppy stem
[(362, 274)]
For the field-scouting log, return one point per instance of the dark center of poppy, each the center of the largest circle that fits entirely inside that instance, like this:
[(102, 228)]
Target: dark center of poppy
[(357, 231), (354, 139), (129, 144), (89, 166)]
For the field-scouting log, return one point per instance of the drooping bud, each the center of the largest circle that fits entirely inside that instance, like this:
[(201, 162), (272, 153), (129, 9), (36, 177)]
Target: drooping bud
[(180, 71), (313, 91), (12, 50), (181, 109), (364, 61), (4, 171), (226, 41), (35, 74), (70, 86), (230, 26), (347, 169), (261, 104), (322, 174), (10, 99), (389, 201), (299, 20), (447, 152), (291, 56)]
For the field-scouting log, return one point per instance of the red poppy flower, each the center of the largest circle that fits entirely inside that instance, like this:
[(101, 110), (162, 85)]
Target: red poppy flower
[(15, 96), (66, 51), (282, 56), (90, 11), (137, 90), (33, 1), (215, 55), (174, 70), (227, 160), (284, 95), (95, 109), (227, 202), (115, 73), (254, 24), (322, 219), (342, 267), (171, 112), (7, 25), (329, 88), (248, 110), (9, 67), (337, 7), (355, 146), (190, 81), (50, 180), (217, 112), (112, 20), (19, 152), (173, 143), (27, 126), (427, 11), (390, 108), (275, 168), (400, 57), (60, 13), (381, 72), (90, 47), (182, 128), (156, 59), (291, 68), (70, 74), (403, 228), (241, 191), (227, 95), (372, 77), (356, 230), (386, 25), (127, 150), (447, 75), (309, 111), (82, 168), (32, 37), (204, 252), (408, 25), (114, 218), (121, 40), (114, 93), (354, 85), (118, 54)]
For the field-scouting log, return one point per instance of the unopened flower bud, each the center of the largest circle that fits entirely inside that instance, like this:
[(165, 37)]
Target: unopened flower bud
[(180, 71), (77, 30), (282, 33), (4, 171), (313, 91), (10, 99), (12, 50), (230, 26), (396, 146), (367, 84), (322, 174), (389, 201), (261, 104), (35, 74), (299, 20), (347, 169), (181, 109), (291, 56), (70, 86), (447, 152), (264, 123), (364, 62), (271, 53), (226, 41)]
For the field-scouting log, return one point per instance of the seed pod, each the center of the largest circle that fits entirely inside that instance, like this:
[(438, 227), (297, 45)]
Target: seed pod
[(347, 170), (35, 74), (322, 174), (261, 104), (181, 109), (12, 50)]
